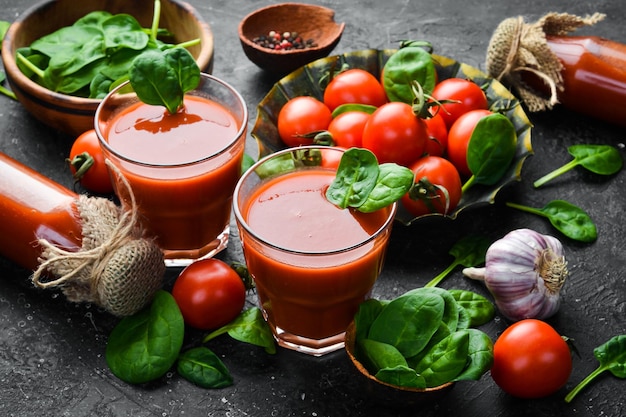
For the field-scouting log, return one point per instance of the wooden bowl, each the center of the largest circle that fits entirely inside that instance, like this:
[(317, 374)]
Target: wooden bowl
[(383, 393), (311, 22), (74, 115)]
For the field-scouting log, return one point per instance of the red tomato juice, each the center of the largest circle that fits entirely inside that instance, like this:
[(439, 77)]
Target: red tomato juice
[(312, 287), (182, 169)]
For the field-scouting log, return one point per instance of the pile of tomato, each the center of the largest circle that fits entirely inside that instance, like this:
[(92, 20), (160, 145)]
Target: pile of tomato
[(356, 112)]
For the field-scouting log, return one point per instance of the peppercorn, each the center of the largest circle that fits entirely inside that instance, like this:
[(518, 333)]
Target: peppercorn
[(285, 41)]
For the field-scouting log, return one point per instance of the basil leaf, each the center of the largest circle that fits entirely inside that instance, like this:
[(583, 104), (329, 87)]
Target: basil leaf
[(392, 183), (491, 149), (202, 367), (143, 347), (356, 177)]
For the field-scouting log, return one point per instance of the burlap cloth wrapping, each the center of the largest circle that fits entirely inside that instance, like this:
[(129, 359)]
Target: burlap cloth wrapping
[(116, 268), (517, 47)]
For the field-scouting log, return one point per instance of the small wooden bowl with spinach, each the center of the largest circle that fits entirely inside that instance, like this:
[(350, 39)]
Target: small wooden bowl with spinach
[(414, 348), (73, 112)]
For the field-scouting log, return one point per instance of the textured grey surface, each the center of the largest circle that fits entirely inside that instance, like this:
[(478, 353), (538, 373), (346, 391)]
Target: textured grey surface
[(52, 352)]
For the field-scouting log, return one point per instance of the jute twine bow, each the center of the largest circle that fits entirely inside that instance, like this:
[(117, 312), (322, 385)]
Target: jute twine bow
[(116, 267), (517, 47)]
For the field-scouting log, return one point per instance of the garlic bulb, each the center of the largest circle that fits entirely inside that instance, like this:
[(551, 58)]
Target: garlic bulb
[(524, 272)]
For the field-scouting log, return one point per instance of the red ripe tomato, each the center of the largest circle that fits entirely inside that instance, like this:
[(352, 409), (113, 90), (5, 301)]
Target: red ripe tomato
[(438, 187), (346, 129), (209, 293), (459, 136), (300, 116), (437, 136), (87, 163), (354, 86), (468, 93), (531, 360), (395, 134), (331, 158)]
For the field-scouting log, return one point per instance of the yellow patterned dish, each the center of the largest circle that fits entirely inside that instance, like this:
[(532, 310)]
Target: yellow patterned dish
[(306, 81)]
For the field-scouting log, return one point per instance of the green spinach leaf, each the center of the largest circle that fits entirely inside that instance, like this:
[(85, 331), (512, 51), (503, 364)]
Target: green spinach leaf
[(599, 159), (479, 309), (248, 327), (480, 356), (468, 251), (379, 355), (162, 78), (446, 360), (491, 149), (356, 177), (612, 357), (392, 183), (412, 62), (143, 347), (401, 376), (202, 367), (569, 219), (408, 322)]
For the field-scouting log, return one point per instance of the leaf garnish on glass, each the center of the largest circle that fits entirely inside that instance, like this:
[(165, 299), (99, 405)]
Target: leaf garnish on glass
[(363, 184)]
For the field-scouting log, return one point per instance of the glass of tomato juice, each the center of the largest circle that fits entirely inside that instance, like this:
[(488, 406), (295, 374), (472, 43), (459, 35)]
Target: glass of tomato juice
[(182, 168), (312, 262)]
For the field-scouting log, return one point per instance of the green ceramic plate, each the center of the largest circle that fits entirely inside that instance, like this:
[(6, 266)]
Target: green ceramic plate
[(306, 81)]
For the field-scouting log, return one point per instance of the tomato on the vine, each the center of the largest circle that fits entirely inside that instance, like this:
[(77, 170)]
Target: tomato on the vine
[(437, 187), (354, 86), (394, 133), (437, 135), (459, 137), (346, 129), (87, 163), (301, 116), (468, 94), (209, 293), (531, 360)]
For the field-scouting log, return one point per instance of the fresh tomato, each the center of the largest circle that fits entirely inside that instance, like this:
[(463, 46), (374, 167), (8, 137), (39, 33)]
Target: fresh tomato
[(459, 136), (437, 135), (395, 134), (437, 187), (531, 360), (87, 163), (301, 116), (331, 158), (468, 94), (354, 86), (346, 129), (209, 293)]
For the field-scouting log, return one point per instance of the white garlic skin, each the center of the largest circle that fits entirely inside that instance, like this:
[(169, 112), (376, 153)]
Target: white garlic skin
[(524, 271)]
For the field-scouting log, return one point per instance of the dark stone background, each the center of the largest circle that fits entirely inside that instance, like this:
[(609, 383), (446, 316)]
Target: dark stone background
[(52, 352)]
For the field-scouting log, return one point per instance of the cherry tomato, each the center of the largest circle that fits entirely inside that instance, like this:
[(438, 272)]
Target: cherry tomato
[(354, 86), (209, 293), (437, 136), (459, 136), (531, 360), (331, 158), (395, 134), (468, 93), (87, 163), (439, 186), (346, 129), (300, 116)]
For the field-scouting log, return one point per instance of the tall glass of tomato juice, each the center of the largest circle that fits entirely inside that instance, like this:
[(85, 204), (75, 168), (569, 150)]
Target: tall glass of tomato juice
[(182, 168), (312, 262)]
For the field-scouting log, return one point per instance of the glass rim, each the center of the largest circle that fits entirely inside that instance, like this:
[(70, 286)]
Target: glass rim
[(241, 221), (240, 132)]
